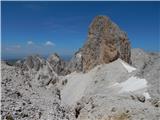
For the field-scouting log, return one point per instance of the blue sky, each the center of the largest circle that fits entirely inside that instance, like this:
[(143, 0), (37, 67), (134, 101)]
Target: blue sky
[(48, 27)]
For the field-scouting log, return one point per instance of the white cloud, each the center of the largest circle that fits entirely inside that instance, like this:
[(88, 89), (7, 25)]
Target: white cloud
[(49, 43), (17, 46), (30, 42), (7, 48), (14, 47)]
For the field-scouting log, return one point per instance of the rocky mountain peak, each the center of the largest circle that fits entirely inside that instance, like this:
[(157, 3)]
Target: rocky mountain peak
[(58, 65), (98, 25), (54, 57), (106, 42), (32, 62)]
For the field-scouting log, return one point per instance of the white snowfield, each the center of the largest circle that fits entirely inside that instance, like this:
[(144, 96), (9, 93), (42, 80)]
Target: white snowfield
[(133, 84), (127, 66), (146, 95), (80, 84)]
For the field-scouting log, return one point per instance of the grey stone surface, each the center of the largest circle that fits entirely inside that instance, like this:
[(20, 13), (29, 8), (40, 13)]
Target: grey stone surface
[(149, 68), (58, 65), (38, 95)]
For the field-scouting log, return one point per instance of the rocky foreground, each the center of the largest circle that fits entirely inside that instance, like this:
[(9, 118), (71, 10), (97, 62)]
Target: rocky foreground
[(105, 80)]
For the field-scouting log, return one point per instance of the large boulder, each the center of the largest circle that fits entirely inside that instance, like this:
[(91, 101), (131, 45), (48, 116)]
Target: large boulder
[(106, 42)]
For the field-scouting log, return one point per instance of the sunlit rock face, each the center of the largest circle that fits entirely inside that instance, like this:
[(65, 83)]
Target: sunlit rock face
[(106, 42), (58, 65)]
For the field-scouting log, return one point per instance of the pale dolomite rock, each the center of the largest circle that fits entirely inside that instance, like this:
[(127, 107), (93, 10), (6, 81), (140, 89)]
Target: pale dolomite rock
[(58, 65)]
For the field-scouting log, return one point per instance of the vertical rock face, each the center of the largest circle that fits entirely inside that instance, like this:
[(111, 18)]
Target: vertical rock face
[(105, 43)]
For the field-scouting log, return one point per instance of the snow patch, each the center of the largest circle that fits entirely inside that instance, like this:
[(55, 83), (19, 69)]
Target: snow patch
[(133, 84), (146, 95), (79, 55), (127, 66)]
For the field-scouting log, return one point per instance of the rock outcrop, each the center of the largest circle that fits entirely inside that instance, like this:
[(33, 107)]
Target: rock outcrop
[(39, 68), (34, 62), (58, 65), (105, 43), (149, 68), (76, 63)]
